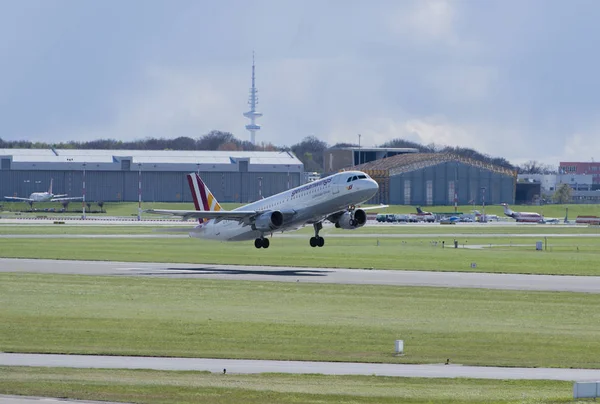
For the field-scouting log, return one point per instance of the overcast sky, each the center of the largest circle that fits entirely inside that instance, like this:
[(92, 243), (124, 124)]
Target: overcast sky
[(511, 78)]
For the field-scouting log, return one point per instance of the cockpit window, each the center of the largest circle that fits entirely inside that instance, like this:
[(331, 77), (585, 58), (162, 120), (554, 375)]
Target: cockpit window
[(357, 177)]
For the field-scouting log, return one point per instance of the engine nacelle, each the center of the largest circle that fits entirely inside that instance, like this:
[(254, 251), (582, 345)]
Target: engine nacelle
[(268, 221), (348, 223)]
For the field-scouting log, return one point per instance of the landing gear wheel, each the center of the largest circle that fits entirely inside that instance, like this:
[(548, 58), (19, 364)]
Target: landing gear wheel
[(317, 241), (261, 242)]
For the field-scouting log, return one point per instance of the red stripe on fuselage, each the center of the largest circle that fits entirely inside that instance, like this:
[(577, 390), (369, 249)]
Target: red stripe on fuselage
[(194, 196)]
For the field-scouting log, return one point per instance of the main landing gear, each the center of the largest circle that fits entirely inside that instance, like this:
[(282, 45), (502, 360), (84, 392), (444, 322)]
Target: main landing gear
[(261, 242), (317, 241)]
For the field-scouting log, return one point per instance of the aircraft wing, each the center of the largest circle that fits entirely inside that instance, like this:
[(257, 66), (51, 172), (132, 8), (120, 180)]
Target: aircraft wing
[(71, 198), (236, 215), (16, 198)]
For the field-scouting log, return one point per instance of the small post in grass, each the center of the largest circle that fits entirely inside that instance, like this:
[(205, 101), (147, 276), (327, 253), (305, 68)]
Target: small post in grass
[(399, 345)]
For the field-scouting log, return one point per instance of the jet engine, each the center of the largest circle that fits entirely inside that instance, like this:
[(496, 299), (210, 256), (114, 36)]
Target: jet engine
[(268, 221), (347, 222)]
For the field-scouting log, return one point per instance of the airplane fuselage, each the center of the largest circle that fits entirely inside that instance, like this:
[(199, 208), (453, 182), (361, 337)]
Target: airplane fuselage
[(525, 217), (41, 197)]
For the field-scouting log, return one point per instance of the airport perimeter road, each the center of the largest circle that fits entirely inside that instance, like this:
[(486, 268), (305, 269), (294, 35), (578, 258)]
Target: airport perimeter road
[(587, 284), (4, 399), (297, 367)]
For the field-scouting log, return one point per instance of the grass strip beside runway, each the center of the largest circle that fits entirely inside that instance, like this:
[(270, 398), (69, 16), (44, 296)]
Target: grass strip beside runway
[(492, 230), (145, 386), (565, 256), (296, 321), (131, 208)]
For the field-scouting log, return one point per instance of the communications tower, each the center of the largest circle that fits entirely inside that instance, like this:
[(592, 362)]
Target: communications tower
[(253, 102)]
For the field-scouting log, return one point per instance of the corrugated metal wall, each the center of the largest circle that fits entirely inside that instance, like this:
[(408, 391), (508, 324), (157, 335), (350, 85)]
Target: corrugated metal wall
[(112, 186), (468, 182)]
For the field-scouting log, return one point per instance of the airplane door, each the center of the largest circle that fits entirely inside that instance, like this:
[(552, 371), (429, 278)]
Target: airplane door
[(335, 187)]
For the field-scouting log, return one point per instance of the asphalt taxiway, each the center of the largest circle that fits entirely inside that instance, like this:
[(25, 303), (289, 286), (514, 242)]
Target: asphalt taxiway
[(296, 367), (586, 284)]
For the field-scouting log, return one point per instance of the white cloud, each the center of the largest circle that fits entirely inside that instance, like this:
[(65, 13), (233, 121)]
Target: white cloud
[(175, 102), (425, 21), (462, 83), (426, 130), (582, 146)]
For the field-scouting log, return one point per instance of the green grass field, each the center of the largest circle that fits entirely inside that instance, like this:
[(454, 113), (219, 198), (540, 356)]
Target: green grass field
[(131, 208), (565, 255), (207, 318), (142, 386), (28, 227), (296, 321)]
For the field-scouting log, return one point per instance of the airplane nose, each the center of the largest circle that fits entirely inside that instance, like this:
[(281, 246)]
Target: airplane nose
[(373, 184)]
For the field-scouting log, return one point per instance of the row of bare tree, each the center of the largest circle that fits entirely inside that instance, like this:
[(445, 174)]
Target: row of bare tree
[(309, 150)]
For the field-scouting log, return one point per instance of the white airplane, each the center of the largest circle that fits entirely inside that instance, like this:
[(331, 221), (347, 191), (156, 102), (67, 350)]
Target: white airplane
[(47, 196), (486, 217), (526, 217), (333, 198), (424, 215)]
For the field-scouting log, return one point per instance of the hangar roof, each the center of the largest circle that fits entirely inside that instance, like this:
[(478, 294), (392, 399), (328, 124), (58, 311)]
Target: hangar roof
[(403, 163), (149, 156)]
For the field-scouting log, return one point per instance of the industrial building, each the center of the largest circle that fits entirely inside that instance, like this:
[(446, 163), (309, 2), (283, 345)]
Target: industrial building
[(439, 179), (584, 187), (590, 169), (115, 175)]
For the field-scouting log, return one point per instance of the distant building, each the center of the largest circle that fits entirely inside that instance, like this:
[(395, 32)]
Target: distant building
[(440, 179), (584, 190), (113, 175), (591, 169)]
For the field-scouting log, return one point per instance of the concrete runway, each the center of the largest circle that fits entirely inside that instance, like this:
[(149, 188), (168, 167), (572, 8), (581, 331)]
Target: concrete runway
[(587, 284), (296, 367)]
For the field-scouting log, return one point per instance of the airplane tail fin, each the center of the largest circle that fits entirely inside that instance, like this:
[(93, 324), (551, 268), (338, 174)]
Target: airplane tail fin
[(50, 189), (419, 210), (507, 210), (203, 198)]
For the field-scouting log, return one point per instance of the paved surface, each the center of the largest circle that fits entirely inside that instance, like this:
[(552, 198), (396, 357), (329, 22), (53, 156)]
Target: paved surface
[(588, 284), (4, 399), (328, 368)]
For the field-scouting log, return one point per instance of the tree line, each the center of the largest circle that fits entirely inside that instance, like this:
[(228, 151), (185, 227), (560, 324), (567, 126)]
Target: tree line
[(309, 150)]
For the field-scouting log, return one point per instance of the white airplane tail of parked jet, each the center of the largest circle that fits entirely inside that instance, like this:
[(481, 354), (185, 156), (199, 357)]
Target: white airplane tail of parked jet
[(47, 196), (529, 217), (333, 198)]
